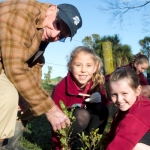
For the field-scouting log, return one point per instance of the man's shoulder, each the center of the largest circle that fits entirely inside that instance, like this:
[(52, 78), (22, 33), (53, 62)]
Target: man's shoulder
[(25, 5)]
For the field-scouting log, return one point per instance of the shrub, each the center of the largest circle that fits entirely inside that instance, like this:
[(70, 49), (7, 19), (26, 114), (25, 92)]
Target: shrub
[(90, 142)]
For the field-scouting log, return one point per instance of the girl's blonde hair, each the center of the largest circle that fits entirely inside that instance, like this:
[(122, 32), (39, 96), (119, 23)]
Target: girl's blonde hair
[(98, 77), (140, 59)]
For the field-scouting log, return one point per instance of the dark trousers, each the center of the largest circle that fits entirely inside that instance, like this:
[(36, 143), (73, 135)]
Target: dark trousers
[(96, 117)]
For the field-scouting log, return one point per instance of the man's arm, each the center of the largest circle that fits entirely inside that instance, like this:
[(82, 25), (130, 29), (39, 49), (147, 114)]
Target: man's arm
[(20, 40)]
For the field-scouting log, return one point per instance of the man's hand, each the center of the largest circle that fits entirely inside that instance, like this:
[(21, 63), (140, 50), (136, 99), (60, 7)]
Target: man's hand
[(57, 118)]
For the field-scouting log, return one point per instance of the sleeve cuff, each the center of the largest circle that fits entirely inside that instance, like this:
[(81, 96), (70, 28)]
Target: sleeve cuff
[(42, 108)]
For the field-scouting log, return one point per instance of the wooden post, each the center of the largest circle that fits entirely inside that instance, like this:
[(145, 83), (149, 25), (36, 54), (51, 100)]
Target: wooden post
[(108, 58)]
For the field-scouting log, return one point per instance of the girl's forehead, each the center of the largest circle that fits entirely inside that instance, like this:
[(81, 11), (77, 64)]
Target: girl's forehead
[(144, 64), (84, 58), (120, 83), (83, 53)]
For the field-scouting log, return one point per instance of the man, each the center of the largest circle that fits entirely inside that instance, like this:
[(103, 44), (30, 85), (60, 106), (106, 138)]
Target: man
[(26, 28)]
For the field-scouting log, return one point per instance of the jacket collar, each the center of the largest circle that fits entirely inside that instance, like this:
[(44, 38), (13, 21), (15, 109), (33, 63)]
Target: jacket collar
[(72, 88)]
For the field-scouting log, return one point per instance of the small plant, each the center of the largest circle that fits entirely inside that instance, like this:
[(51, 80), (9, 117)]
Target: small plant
[(90, 142), (65, 134)]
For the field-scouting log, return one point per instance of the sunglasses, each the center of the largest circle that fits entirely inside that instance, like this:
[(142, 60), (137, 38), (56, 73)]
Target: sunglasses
[(58, 24)]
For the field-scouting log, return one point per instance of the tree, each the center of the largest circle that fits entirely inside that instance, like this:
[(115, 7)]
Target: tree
[(145, 46), (121, 53), (145, 49), (113, 39), (118, 8), (47, 76), (94, 42)]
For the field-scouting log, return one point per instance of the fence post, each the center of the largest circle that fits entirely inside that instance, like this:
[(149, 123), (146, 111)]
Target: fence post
[(108, 58)]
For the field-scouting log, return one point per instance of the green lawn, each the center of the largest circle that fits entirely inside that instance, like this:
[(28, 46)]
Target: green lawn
[(37, 135)]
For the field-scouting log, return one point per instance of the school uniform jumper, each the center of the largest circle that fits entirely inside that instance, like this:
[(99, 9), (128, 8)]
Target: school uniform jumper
[(128, 127), (67, 91)]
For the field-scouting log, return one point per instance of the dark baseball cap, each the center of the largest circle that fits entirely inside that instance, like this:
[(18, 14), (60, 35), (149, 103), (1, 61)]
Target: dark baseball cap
[(71, 16)]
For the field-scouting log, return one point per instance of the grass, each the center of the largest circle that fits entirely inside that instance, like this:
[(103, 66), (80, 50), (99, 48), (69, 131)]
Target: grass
[(37, 135)]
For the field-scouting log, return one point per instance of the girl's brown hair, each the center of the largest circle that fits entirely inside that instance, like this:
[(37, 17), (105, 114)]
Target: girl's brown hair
[(124, 73), (140, 59), (98, 77)]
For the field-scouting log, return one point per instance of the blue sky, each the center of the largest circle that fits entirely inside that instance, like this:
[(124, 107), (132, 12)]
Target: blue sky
[(94, 22), (130, 32)]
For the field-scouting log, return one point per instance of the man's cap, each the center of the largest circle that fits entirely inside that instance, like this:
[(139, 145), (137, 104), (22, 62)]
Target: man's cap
[(71, 16)]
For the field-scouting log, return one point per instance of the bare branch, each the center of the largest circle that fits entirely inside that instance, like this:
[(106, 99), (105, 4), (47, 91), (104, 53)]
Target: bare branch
[(118, 8), (134, 7)]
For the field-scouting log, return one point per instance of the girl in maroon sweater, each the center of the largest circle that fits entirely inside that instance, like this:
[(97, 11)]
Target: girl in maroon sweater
[(83, 89), (139, 64), (130, 129)]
